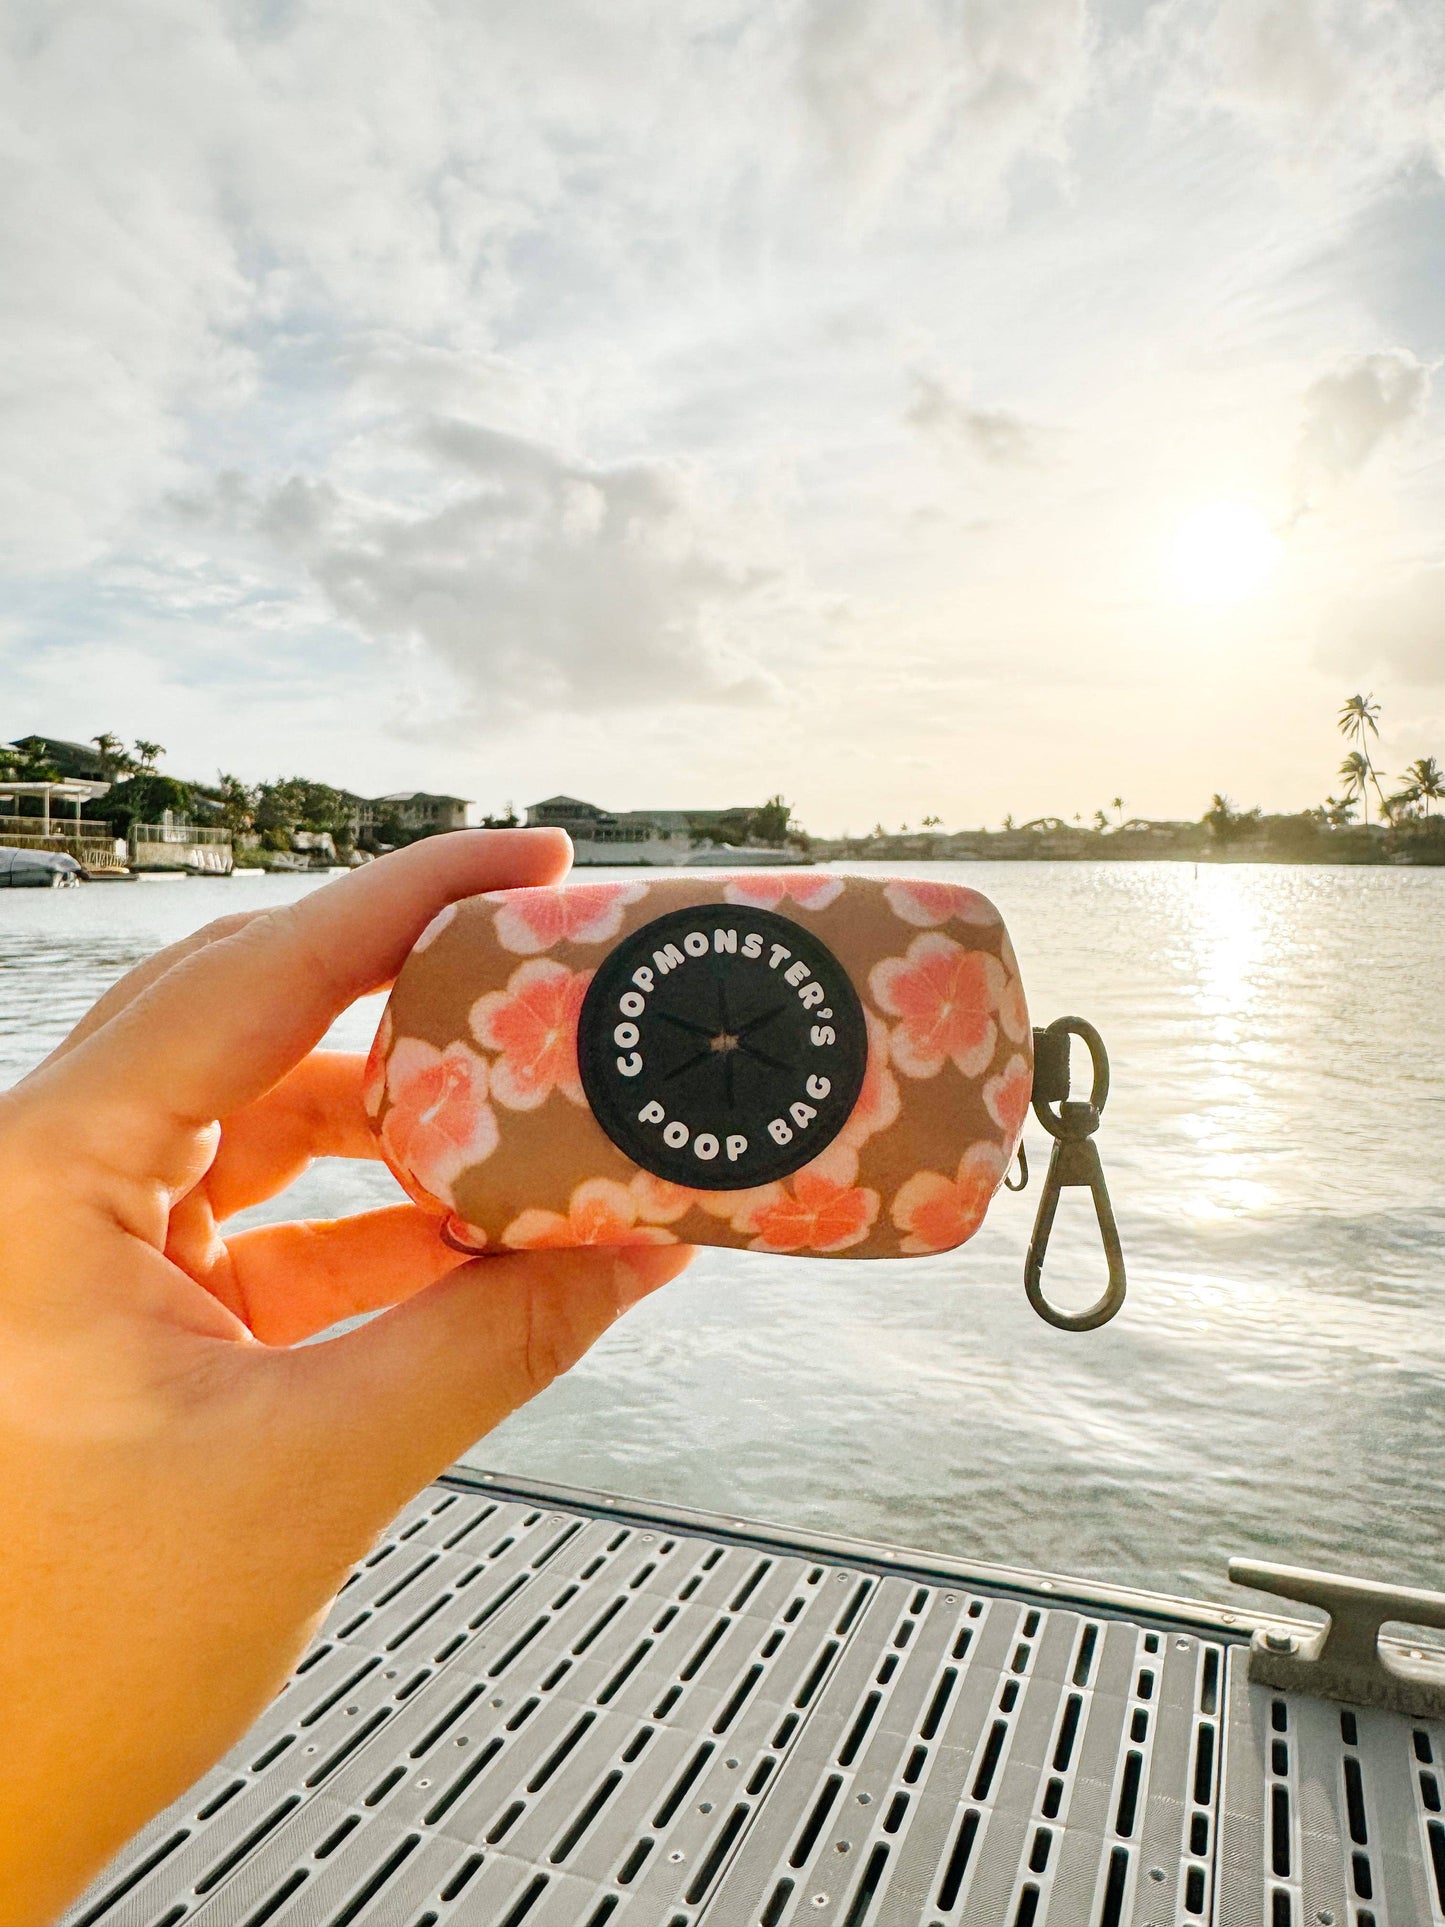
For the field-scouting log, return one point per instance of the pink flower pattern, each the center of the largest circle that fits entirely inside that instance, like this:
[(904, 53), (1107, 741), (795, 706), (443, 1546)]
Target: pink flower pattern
[(600, 1212), (878, 1102), (946, 1002), (439, 1122), (946, 999), (936, 1213), (532, 1024), (659, 1202), (1006, 1097), (373, 1078), (820, 1213), (930, 904), (434, 929), (530, 921), (812, 888)]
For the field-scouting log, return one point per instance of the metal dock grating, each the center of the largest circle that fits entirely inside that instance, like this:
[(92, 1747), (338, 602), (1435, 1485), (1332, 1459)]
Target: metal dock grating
[(574, 1710)]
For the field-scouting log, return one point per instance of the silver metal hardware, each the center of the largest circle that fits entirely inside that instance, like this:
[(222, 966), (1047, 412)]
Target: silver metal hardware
[(1344, 1660)]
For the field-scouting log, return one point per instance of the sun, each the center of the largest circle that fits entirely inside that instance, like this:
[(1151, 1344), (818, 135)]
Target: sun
[(1223, 553)]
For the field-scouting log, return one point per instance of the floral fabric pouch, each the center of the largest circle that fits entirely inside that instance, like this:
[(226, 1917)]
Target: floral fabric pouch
[(786, 1062)]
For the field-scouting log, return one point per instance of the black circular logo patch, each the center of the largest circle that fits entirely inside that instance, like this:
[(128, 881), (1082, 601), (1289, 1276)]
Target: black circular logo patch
[(721, 1047)]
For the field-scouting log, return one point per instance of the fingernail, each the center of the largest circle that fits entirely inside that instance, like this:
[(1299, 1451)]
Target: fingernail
[(645, 1268)]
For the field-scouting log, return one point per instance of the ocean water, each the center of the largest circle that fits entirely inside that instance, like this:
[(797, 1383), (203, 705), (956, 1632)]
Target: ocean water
[(1275, 1145)]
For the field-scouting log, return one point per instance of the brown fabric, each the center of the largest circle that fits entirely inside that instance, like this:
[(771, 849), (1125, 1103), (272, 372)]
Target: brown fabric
[(474, 1089)]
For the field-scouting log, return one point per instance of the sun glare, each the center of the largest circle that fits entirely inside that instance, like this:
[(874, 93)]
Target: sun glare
[(1221, 554)]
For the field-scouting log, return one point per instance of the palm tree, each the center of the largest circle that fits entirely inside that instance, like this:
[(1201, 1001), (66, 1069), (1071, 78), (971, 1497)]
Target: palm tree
[(1426, 778), (1118, 804), (1359, 720), (1355, 770), (149, 754), (113, 759)]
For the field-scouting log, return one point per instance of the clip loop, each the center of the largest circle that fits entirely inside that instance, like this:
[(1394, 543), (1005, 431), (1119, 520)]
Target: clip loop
[(1074, 1161)]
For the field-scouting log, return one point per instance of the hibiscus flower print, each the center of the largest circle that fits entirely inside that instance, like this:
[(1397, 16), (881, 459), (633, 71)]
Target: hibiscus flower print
[(936, 1213), (434, 929), (532, 1024), (373, 1078), (439, 1122), (820, 1214), (811, 888), (659, 1202), (737, 1208), (1013, 1012), (930, 904), (530, 921), (946, 999), (878, 1101), (1006, 1097), (600, 1212)]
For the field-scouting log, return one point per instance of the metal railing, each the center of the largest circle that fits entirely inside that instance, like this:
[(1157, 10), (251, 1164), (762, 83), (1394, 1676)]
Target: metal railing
[(55, 824), (93, 854), (176, 833)]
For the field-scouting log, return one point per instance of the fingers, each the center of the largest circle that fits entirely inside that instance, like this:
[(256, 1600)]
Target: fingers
[(315, 1111), (389, 1406), (290, 1281), (125, 989), (227, 1021)]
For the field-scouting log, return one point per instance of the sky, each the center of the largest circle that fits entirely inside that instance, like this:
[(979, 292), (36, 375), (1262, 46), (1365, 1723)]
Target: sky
[(911, 406)]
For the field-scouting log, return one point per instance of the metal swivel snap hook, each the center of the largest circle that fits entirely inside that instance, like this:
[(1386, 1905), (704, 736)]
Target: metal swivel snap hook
[(1074, 1161)]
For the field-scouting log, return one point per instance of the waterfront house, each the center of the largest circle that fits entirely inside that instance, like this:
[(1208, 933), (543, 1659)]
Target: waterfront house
[(47, 816), (415, 811), (646, 836), (77, 761)]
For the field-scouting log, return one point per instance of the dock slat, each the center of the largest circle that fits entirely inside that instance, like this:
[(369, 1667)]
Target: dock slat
[(524, 1712)]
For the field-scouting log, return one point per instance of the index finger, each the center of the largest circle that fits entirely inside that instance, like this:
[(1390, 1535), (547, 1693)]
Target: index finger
[(226, 1022)]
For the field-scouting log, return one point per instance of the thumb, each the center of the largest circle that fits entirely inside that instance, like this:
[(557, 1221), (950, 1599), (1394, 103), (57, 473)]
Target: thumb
[(385, 1408)]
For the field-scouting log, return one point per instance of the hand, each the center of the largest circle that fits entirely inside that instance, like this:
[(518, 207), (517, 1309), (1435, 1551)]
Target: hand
[(181, 1495)]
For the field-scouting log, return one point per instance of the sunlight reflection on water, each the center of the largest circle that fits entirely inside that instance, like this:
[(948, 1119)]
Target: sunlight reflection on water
[(1274, 1146)]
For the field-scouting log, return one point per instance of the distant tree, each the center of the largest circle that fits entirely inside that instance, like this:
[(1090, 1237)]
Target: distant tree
[(1226, 824), (933, 822), (113, 758), (387, 832), (148, 755), (1118, 804), (770, 823), (21, 765), (1359, 719), (878, 830), (1338, 811), (1427, 781), (1008, 821), (237, 801), (144, 797), (296, 803), (1101, 822), (508, 820), (1355, 770)]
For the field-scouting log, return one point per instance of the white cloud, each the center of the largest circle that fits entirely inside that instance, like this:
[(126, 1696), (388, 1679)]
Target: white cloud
[(957, 91), (521, 363), (537, 581), (1339, 85), (1361, 403), (995, 435)]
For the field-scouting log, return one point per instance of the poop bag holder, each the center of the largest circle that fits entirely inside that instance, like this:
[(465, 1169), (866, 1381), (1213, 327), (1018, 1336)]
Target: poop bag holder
[(794, 1062)]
